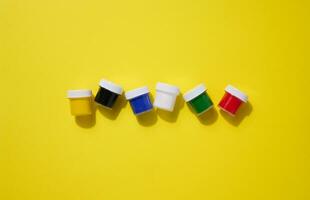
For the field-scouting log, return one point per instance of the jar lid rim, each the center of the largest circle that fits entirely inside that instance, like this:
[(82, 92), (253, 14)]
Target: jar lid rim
[(111, 86), (237, 93), (136, 92), (167, 88), (71, 94), (193, 93)]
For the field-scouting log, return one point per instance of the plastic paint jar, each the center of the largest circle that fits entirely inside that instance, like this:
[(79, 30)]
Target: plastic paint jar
[(80, 102), (108, 93), (198, 99), (165, 96), (139, 100), (232, 100)]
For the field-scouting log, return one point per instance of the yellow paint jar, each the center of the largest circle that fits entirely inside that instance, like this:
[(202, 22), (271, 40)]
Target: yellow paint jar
[(80, 102)]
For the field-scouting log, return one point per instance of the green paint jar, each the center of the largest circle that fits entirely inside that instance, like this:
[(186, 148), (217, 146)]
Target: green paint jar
[(198, 99)]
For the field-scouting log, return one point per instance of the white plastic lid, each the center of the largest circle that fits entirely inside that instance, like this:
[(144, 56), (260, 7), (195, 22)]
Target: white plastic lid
[(237, 93), (193, 93), (111, 86), (78, 93), (136, 92), (167, 88)]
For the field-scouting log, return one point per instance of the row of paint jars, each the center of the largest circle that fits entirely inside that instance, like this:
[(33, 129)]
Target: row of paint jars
[(166, 94)]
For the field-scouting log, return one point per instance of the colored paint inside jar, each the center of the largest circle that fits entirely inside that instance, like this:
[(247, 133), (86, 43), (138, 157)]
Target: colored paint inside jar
[(80, 102), (108, 93), (139, 100), (166, 95), (198, 99), (232, 100)]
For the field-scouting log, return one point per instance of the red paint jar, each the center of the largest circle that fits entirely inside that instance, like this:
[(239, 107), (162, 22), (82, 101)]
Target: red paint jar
[(232, 100)]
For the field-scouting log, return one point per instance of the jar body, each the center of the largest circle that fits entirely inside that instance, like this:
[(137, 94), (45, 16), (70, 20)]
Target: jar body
[(106, 98), (230, 103), (81, 106), (201, 103), (141, 104), (165, 100)]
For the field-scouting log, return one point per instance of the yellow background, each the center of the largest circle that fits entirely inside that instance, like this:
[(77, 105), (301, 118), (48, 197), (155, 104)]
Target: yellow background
[(261, 47)]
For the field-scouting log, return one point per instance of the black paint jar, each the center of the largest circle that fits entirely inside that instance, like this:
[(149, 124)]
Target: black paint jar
[(108, 93)]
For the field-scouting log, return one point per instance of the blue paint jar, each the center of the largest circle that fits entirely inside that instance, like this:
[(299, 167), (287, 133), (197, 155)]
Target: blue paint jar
[(139, 100)]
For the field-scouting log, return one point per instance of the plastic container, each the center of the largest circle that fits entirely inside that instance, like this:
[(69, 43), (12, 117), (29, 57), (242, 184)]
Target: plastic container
[(198, 99), (108, 93), (165, 96), (139, 100), (80, 102), (232, 100)]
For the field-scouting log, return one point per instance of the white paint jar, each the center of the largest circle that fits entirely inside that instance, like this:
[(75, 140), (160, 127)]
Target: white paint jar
[(166, 95)]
